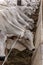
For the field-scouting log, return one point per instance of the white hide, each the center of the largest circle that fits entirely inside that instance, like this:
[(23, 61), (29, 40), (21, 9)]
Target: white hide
[(13, 20), (3, 2), (14, 29), (3, 38)]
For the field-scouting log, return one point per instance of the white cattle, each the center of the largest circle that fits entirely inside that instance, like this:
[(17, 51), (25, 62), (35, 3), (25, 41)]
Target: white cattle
[(14, 22)]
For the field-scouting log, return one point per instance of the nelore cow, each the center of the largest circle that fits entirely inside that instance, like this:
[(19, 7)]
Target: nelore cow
[(14, 22)]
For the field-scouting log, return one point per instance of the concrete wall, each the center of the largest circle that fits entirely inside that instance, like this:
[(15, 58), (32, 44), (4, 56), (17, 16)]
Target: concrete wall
[(36, 59)]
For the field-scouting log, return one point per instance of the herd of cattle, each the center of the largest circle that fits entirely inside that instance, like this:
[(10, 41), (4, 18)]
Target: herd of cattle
[(14, 21)]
